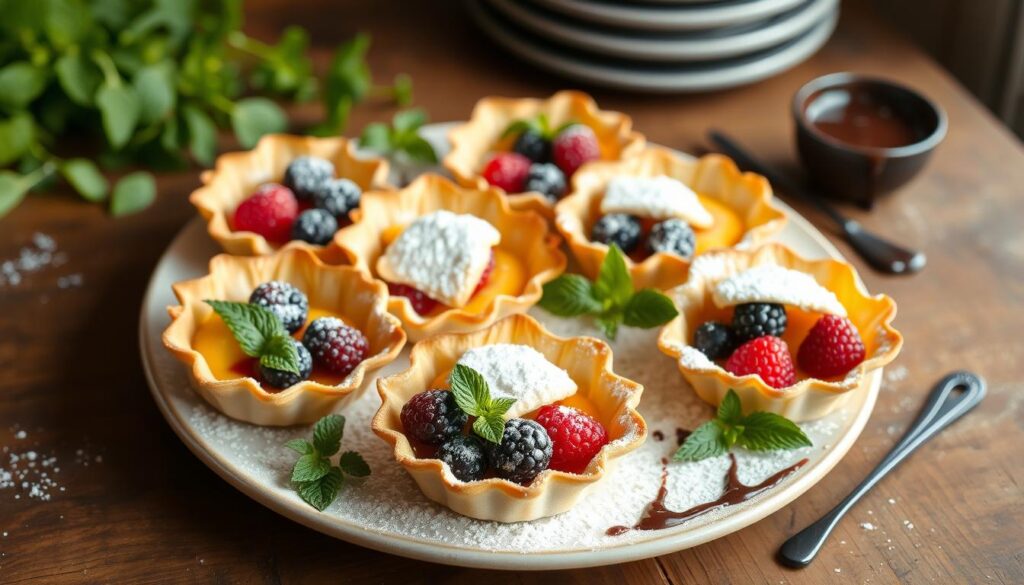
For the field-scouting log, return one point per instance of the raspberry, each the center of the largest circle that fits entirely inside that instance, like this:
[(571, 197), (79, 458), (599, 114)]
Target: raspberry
[(575, 437), (546, 179), (715, 340), (485, 276), (432, 417), (421, 303), (752, 320), (832, 348), (281, 379), (674, 236), (334, 345), (464, 456), (507, 171), (533, 145), (524, 451), (767, 357), (307, 174), (574, 146), (269, 212), (316, 226), (338, 197), (617, 228), (285, 301)]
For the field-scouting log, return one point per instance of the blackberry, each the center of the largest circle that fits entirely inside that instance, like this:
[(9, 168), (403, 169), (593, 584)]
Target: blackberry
[(334, 345), (286, 302), (674, 236), (316, 226), (753, 320), (546, 179), (338, 197), (432, 417), (306, 175), (281, 379), (715, 340), (533, 145), (617, 228), (464, 456), (525, 451)]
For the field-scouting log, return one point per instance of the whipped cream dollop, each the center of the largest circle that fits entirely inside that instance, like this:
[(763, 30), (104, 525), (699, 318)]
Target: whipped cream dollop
[(658, 198), (769, 283), (520, 372)]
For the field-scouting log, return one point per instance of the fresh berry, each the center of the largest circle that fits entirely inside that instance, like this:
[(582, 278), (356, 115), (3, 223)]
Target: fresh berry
[(285, 301), (574, 146), (832, 348), (525, 451), (421, 303), (316, 226), (307, 174), (507, 171), (767, 357), (576, 437), (617, 228), (546, 179), (674, 236), (715, 340), (283, 379), (269, 212), (752, 320), (334, 345), (464, 456), (533, 145), (485, 276), (338, 197), (432, 417)]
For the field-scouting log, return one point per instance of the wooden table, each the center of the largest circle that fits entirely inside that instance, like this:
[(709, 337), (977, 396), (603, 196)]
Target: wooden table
[(145, 510)]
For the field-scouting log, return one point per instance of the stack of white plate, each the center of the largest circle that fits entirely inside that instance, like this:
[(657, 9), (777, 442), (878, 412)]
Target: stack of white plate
[(660, 45)]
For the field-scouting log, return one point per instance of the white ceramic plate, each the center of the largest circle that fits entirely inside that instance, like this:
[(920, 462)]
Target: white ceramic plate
[(719, 43), (388, 513), (650, 77), (684, 16)]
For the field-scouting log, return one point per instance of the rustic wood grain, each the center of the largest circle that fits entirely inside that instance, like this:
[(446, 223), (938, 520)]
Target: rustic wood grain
[(152, 513)]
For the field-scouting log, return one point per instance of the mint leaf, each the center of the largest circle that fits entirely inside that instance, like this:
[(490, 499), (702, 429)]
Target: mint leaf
[(202, 134), (78, 77), (279, 353), (252, 325), (767, 431), (353, 464), (310, 467), (418, 150), (609, 324), (327, 433), (648, 308), (13, 188), (154, 84), (614, 283), (20, 83), (403, 89), (119, 109), (252, 118), (490, 427), (134, 192), (730, 410), (300, 446), (499, 406), (17, 135), (569, 295), (376, 137), (707, 441), (321, 492), (85, 178), (408, 120), (518, 127), (470, 390)]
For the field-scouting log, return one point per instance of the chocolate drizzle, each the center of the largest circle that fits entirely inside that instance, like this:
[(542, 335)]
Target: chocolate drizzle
[(681, 436), (658, 435), (658, 516)]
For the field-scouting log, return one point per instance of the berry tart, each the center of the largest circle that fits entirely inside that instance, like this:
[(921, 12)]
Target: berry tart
[(287, 189), (531, 148), (454, 259), (509, 423), (789, 335), (663, 210), (281, 339)]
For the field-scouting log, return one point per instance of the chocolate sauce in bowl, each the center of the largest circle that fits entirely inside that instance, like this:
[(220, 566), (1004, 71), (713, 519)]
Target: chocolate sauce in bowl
[(858, 116)]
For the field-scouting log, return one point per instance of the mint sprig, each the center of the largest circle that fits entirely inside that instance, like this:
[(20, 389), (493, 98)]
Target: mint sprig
[(260, 334), (315, 478), (757, 431), (540, 124), (611, 298), (473, 396), (401, 139)]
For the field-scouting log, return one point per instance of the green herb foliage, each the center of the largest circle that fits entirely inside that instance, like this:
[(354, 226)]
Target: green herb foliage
[(315, 478), (259, 333), (401, 139), (474, 398)]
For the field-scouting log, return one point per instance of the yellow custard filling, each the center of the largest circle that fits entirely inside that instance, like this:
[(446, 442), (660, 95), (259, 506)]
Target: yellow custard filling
[(726, 231)]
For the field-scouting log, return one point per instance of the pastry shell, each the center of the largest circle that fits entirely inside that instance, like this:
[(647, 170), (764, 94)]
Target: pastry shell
[(522, 232), (588, 362), (809, 398), (473, 141), (340, 289), (237, 175), (712, 175)]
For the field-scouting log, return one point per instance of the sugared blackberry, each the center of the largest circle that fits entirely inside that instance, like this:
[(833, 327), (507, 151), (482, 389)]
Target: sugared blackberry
[(281, 379), (617, 228), (464, 456), (752, 320), (524, 451), (285, 301), (546, 179), (334, 345), (432, 417), (715, 340), (533, 145), (306, 175), (674, 236), (338, 197), (316, 226)]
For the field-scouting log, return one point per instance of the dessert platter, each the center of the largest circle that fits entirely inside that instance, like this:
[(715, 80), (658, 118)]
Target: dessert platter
[(583, 350)]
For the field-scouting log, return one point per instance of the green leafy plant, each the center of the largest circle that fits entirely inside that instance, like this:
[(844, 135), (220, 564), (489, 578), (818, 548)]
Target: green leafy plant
[(151, 84), (401, 139), (260, 334), (541, 125), (474, 397), (611, 298), (757, 431), (315, 478)]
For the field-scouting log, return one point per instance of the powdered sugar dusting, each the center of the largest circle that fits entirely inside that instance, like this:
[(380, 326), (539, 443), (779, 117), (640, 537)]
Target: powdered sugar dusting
[(39, 254), (658, 197), (775, 284), (519, 372)]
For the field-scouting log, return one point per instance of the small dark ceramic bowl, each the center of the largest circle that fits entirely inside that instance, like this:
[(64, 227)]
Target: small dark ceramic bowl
[(848, 166)]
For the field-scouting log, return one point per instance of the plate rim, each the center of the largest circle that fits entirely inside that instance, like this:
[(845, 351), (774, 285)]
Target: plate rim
[(671, 17)]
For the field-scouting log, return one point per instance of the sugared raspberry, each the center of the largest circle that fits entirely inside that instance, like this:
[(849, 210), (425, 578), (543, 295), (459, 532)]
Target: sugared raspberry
[(574, 146), (507, 170), (334, 345), (832, 348), (767, 357), (269, 212), (432, 417), (421, 303), (575, 437)]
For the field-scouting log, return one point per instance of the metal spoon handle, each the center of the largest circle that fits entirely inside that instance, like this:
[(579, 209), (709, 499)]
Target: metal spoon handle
[(951, 398)]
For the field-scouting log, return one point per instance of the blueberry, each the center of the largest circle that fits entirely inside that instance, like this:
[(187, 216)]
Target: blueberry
[(306, 175), (546, 179), (316, 226), (338, 196), (533, 145), (617, 228), (674, 236)]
